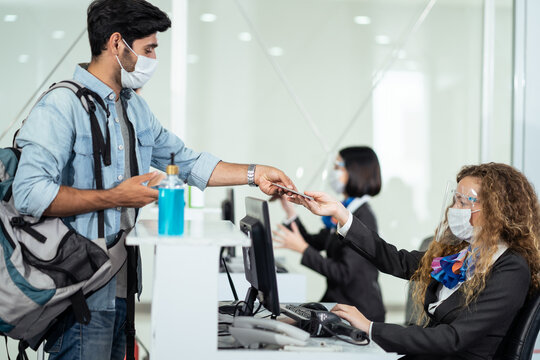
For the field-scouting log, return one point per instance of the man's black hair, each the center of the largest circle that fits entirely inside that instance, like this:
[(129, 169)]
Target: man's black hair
[(364, 171), (134, 19)]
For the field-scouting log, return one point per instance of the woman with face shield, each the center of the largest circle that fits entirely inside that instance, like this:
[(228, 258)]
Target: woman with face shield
[(471, 282), (351, 279)]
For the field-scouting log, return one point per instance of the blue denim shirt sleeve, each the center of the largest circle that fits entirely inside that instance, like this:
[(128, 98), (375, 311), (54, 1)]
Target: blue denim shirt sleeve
[(195, 167), (46, 139)]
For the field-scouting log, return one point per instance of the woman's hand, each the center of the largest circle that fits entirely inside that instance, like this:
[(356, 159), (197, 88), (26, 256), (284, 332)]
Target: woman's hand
[(290, 239), (287, 206), (353, 316), (323, 204)]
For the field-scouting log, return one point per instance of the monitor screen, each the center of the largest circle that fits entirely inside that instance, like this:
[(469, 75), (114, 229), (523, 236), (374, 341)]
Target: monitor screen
[(227, 206), (259, 262), (227, 213)]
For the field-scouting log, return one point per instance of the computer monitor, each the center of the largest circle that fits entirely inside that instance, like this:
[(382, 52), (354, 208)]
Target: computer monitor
[(227, 213), (227, 206), (259, 263)]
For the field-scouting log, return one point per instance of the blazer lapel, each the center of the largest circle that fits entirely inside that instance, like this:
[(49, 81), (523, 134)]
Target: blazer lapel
[(448, 306), (431, 295)]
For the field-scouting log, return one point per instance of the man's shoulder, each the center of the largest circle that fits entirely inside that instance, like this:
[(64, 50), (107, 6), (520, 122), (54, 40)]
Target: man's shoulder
[(59, 97), (59, 106)]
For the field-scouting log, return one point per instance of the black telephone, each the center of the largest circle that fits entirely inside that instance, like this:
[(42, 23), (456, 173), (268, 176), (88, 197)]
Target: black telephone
[(323, 323)]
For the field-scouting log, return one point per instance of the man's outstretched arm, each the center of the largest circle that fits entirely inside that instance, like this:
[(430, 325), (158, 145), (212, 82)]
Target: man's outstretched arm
[(226, 174)]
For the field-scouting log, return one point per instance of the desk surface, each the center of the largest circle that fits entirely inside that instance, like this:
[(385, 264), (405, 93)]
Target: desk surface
[(197, 232), (317, 348)]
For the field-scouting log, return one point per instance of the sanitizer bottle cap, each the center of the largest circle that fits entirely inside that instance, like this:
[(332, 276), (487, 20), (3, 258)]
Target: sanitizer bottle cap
[(172, 169)]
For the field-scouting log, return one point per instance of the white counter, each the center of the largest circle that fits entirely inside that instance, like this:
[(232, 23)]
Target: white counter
[(185, 296)]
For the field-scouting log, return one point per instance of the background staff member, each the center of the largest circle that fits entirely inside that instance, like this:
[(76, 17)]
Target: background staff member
[(350, 278)]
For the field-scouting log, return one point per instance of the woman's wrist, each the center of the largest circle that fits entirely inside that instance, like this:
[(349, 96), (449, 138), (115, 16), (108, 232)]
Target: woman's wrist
[(302, 247), (368, 332), (342, 214), (291, 214)]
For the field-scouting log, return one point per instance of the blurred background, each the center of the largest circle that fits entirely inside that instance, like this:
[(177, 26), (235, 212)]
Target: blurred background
[(430, 85)]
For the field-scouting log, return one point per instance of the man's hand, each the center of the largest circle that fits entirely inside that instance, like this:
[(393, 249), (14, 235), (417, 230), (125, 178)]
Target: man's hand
[(265, 175), (133, 194), (156, 180), (290, 239)]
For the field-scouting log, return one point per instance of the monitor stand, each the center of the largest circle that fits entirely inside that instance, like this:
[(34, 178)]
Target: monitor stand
[(249, 303)]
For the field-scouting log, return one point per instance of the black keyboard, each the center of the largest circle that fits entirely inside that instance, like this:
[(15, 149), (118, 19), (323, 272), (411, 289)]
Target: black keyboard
[(296, 312)]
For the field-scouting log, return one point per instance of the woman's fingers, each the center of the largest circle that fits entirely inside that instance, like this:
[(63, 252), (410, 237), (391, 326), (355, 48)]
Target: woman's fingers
[(284, 229), (295, 228)]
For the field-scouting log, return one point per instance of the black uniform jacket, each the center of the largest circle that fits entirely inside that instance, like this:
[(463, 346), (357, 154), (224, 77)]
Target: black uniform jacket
[(350, 278), (455, 332)]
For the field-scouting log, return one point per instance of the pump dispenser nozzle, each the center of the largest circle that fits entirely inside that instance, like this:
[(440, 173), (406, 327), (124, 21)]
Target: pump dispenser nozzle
[(172, 169)]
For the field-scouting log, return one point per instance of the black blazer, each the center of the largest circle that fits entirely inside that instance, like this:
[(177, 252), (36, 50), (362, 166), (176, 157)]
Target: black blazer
[(454, 332), (350, 278)]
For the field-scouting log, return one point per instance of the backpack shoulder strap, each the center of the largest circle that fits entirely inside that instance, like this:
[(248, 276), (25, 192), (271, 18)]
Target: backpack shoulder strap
[(87, 97), (101, 146)]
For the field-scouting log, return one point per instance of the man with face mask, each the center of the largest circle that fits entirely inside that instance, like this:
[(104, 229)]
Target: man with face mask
[(56, 171)]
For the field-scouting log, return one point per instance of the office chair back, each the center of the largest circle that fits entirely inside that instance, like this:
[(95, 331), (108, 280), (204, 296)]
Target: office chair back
[(518, 344)]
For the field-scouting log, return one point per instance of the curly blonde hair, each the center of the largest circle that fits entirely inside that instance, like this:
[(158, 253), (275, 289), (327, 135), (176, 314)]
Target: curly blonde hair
[(510, 213)]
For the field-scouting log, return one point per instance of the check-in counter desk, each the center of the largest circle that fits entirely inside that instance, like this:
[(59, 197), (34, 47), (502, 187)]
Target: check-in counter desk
[(186, 279)]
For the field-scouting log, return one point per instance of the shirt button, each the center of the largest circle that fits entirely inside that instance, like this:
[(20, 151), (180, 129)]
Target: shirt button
[(111, 97), (120, 177), (117, 120), (120, 147)]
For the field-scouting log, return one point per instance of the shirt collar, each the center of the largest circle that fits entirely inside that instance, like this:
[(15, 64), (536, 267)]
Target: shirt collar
[(357, 202), (82, 76)]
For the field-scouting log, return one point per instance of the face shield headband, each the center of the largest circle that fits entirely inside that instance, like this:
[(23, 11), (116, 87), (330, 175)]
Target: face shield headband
[(459, 204)]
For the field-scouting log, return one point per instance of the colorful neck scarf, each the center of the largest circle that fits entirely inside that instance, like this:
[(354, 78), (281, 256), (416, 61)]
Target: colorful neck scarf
[(452, 269), (330, 222)]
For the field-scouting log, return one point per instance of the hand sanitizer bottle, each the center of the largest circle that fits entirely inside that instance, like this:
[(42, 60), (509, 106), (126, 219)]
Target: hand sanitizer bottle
[(171, 202)]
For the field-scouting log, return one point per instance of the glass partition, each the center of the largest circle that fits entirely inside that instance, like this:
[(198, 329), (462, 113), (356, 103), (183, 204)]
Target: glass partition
[(289, 83)]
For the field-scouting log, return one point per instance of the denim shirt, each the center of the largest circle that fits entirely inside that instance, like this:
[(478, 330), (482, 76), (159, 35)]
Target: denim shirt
[(57, 150)]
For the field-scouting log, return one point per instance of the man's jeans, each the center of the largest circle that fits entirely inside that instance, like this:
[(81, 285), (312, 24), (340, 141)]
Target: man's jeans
[(103, 338)]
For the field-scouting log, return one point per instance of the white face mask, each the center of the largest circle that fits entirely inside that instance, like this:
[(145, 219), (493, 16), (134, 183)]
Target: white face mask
[(459, 223), (144, 69), (335, 182)]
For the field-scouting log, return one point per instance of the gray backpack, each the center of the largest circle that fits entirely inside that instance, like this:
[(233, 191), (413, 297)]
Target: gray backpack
[(45, 266)]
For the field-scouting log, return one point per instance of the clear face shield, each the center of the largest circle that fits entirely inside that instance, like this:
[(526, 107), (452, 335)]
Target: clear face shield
[(459, 203)]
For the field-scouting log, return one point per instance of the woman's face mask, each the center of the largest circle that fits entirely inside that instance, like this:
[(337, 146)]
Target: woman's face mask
[(459, 221), (335, 180), (144, 69)]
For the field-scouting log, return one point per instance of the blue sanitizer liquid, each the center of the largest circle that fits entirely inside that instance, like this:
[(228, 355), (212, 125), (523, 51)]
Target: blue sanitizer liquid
[(171, 211)]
